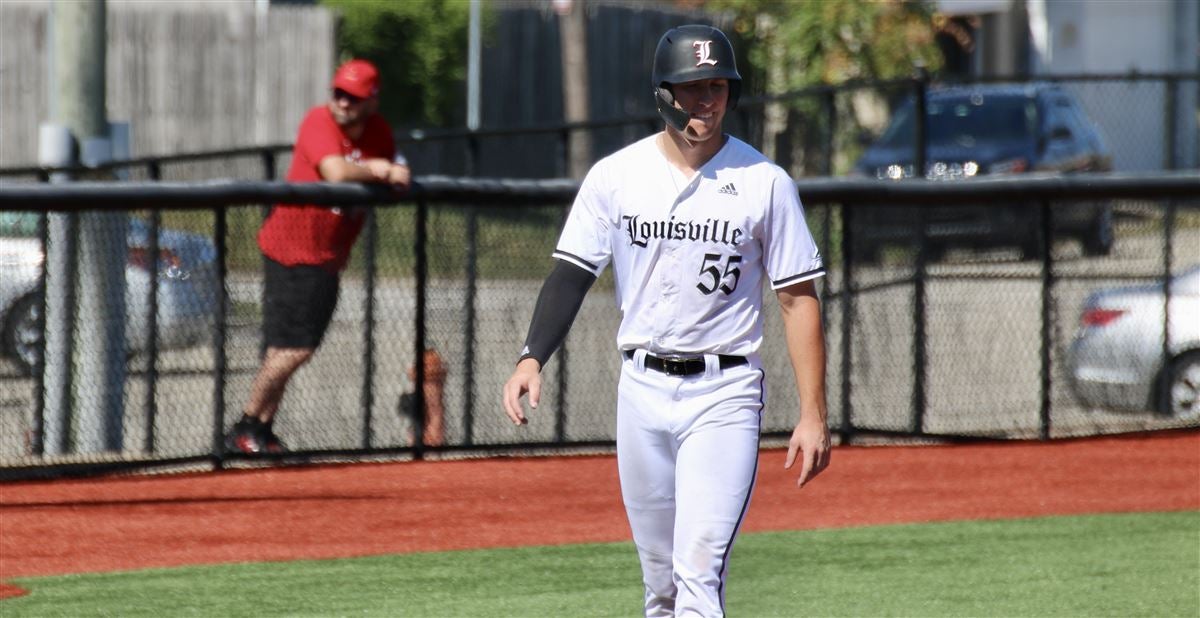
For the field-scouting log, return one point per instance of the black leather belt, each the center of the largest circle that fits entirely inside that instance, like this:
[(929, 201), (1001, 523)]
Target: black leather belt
[(687, 366)]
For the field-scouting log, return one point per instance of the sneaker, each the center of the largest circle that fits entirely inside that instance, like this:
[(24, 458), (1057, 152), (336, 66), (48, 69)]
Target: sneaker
[(245, 437), (270, 442)]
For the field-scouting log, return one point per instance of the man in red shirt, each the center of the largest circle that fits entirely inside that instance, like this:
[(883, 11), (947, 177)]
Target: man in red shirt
[(306, 246)]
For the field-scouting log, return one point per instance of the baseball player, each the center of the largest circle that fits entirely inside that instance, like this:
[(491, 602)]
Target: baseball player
[(694, 223)]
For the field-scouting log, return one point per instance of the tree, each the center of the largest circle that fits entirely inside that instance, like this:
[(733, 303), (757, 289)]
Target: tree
[(420, 47), (790, 45), (833, 41)]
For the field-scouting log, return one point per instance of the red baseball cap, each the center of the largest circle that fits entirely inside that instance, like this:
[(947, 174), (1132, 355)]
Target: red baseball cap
[(358, 77)]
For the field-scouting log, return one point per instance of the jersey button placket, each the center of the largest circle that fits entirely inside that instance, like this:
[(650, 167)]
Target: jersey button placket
[(664, 303)]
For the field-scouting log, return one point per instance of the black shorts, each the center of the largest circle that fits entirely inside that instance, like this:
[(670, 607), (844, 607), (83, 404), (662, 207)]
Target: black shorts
[(298, 304)]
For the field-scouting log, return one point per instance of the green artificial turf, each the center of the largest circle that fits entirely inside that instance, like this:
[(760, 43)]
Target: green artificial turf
[(1103, 565)]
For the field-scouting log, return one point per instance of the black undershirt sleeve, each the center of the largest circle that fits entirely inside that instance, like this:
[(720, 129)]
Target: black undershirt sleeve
[(557, 304)]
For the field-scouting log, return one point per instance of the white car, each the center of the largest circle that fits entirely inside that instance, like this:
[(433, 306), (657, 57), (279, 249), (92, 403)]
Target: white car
[(1116, 359), (187, 288)]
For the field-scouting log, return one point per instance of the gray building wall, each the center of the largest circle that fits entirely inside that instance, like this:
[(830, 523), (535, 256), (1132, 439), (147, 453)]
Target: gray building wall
[(188, 76), (1149, 36), (1150, 124)]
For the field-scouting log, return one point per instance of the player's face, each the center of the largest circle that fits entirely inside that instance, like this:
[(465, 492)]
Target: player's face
[(348, 109), (705, 100)]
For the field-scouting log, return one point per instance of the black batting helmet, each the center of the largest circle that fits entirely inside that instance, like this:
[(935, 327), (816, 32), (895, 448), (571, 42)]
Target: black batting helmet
[(686, 54)]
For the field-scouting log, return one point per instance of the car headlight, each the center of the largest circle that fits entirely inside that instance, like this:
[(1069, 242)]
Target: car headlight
[(1009, 166), (894, 171)]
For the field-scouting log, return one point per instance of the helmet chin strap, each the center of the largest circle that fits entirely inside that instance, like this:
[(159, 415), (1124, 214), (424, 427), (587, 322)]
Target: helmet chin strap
[(674, 116)]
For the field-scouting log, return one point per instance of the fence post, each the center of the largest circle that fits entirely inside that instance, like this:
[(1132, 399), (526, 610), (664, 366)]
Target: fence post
[(472, 162), (920, 141), (1164, 385), (1172, 162), (268, 163), (419, 248), (370, 249), (154, 170), (37, 441), (472, 268), (1170, 144), (564, 153), (560, 400), (920, 358), (220, 233), (471, 317), (1047, 245), (847, 303), (829, 102)]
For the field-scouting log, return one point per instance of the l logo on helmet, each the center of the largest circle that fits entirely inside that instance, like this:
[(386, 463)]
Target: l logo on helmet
[(703, 49)]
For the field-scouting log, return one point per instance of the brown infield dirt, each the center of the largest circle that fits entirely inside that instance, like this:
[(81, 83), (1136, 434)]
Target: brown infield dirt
[(110, 524)]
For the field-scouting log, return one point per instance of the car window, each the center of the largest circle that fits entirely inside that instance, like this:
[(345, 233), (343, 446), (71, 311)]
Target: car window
[(965, 121), (18, 224), (1084, 127), (1058, 115)]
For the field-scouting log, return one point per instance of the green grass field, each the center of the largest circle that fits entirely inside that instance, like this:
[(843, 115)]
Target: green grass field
[(1104, 565)]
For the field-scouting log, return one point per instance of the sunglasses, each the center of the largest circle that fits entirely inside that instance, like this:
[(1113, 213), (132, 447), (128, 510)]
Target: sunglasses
[(339, 94)]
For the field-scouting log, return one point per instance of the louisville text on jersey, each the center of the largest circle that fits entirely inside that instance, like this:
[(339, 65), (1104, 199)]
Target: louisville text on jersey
[(710, 230)]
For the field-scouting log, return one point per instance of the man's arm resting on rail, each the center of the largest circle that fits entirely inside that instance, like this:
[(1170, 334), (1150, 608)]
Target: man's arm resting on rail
[(336, 168)]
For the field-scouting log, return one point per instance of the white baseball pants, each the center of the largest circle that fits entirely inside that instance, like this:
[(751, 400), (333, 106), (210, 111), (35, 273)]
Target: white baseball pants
[(687, 454)]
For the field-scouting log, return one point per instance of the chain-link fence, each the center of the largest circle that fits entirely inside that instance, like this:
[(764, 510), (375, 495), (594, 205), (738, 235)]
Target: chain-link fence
[(962, 342), (938, 296)]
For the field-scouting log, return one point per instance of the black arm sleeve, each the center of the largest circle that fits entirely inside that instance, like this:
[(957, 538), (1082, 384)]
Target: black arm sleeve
[(557, 304)]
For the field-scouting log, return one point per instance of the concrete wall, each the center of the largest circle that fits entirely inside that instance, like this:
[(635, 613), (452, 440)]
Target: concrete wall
[(1149, 36), (188, 76)]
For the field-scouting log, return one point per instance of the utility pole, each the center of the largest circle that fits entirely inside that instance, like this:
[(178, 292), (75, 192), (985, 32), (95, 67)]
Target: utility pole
[(474, 59), (572, 28), (95, 343)]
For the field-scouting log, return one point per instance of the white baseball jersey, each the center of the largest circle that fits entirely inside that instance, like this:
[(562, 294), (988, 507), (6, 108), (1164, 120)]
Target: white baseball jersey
[(689, 254)]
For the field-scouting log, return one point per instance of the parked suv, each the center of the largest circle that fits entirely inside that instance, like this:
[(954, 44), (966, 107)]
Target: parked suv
[(989, 130)]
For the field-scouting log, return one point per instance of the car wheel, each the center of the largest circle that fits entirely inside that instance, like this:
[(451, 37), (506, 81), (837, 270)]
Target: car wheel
[(21, 338), (1099, 240), (1182, 395)]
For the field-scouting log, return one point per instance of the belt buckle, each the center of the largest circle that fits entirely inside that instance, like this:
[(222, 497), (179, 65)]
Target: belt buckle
[(677, 364), (674, 367)]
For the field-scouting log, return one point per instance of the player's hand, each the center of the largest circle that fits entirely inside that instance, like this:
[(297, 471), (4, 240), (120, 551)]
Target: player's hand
[(810, 440), (526, 379), (400, 176)]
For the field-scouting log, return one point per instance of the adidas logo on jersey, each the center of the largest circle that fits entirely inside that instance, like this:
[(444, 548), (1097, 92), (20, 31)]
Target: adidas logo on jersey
[(728, 189)]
